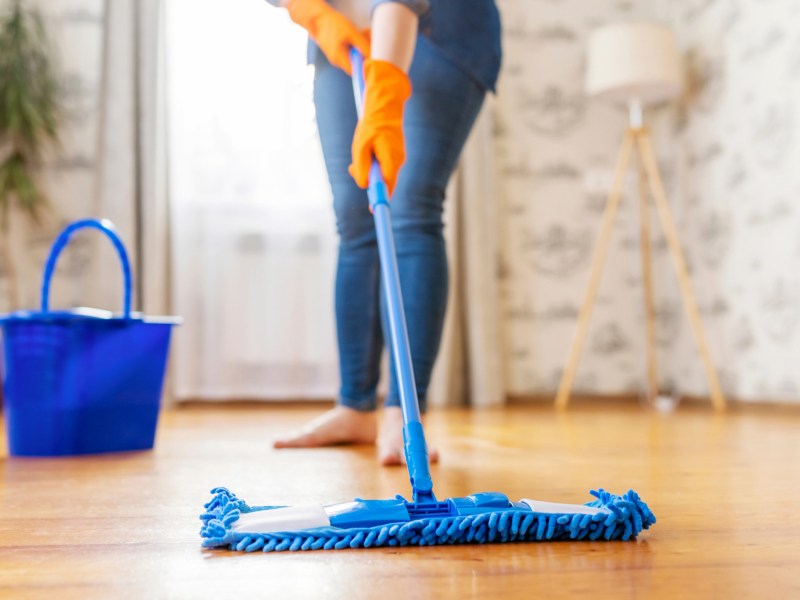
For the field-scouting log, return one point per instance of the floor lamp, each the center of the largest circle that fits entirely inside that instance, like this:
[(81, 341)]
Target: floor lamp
[(637, 64)]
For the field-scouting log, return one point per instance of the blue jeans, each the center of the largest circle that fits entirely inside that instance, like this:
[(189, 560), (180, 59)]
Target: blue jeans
[(437, 121)]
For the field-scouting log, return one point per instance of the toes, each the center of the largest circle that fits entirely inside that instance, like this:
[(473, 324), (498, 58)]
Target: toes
[(300, 440), (337, 426), (390, 457)]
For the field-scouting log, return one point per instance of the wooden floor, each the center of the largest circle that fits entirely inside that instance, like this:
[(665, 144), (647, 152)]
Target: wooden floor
[(725, 489)]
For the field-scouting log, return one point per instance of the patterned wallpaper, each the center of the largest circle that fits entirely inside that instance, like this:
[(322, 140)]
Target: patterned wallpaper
[(736, 153), (727, 153)]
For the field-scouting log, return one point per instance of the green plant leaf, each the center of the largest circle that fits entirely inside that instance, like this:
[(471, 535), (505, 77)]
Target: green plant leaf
[(30, 105)]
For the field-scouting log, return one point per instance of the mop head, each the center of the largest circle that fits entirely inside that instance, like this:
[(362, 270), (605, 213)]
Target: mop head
[(478, 519)]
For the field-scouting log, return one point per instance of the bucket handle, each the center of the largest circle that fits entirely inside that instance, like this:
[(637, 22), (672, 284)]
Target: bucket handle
[(106, 227)]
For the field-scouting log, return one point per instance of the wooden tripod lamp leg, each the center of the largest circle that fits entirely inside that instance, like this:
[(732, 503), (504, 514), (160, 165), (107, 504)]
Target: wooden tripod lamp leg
[(689, 301), (598, 260), (647, 286)]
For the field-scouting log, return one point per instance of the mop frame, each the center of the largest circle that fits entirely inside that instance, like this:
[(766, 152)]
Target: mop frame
[(616, 518)]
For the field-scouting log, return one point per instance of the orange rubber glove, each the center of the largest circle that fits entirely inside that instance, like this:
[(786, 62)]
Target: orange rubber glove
[(330, 29), (380, 130)]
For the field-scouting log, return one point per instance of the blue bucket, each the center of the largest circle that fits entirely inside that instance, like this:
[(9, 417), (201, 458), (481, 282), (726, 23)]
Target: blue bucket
[(83, 381)]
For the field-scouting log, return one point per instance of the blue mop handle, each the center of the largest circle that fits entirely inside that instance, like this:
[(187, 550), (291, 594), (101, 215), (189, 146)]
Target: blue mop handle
[(415, 447)]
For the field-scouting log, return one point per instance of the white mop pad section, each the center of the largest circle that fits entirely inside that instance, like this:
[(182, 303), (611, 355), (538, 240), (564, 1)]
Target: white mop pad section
[(291, 518), (556, 508)]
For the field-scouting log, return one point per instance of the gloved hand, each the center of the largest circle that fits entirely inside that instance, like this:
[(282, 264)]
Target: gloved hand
[(330, 29), (380, 130)]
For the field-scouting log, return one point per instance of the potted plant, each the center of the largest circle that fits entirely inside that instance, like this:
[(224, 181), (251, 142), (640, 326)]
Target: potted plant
[(29, 111)]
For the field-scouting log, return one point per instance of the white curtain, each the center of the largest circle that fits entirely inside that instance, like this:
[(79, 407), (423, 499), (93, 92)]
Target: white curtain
[(469, 369), (129, 182), (253, 234)]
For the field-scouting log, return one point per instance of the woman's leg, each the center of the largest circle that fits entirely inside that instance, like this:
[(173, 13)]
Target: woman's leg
[(358, 320), (437, 121)]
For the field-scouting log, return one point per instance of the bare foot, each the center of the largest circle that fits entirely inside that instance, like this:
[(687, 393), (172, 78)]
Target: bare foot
[(390, 440), (340, 425)]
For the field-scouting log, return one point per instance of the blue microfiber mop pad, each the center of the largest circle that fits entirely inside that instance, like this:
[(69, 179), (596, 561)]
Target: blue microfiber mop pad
[(479, 519)]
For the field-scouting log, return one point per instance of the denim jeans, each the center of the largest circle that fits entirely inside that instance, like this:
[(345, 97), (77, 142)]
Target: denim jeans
[(437, 120)]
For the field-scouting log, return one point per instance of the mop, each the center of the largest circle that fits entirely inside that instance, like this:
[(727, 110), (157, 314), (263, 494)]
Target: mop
[(485, 517)]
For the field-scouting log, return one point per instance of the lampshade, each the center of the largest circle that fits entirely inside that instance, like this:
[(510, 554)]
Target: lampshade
[(633, 60)]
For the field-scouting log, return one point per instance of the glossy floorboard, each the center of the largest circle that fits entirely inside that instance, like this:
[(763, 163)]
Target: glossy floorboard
[(725, 488)]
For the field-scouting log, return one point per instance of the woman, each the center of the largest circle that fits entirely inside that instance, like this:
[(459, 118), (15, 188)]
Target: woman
[(450, 66)]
